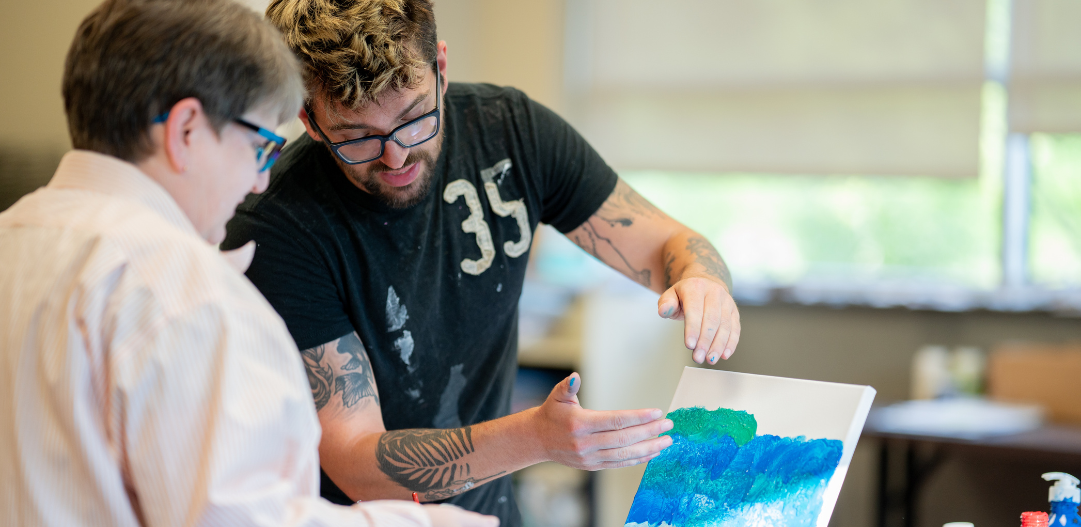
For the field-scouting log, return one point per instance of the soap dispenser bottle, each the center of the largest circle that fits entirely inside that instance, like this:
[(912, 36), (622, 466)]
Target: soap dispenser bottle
[(1064, 497)]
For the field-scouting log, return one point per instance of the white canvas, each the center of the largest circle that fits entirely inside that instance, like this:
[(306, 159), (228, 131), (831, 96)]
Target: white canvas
[(803, 414)]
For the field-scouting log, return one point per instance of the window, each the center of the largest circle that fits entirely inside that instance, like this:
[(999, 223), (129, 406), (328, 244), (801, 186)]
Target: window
[(921, 200), (1055, 227)]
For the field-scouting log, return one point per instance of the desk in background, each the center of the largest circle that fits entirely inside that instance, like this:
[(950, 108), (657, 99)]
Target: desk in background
[(921, 455)]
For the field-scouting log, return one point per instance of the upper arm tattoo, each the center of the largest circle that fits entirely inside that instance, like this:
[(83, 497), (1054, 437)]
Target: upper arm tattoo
[(320, 376), (590, 238), (358, 384), (354, 380), (625, 202), (622, 208), (431, 462)]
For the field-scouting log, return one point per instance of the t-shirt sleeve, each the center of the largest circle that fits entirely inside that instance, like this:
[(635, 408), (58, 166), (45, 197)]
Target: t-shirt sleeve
[(576, 180), (294, 272)]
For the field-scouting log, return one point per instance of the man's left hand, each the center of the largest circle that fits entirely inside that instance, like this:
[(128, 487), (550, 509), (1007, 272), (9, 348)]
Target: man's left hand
[(635, 238), (711, 319)]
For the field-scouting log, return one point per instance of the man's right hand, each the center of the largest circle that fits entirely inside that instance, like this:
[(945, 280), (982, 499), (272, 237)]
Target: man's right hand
[(451, 516), (369, 463), (593, 440)]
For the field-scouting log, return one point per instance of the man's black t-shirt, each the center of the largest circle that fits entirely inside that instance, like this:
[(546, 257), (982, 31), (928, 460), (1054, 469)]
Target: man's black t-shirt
[(431, 290)]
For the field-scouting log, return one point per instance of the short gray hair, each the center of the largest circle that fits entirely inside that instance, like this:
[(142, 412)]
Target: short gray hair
[(132, 60)]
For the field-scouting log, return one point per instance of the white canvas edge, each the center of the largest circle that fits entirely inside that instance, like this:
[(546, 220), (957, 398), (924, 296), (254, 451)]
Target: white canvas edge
[(833, 489)]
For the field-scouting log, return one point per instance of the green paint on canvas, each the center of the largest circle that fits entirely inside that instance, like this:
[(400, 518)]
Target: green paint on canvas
[(699, 424)]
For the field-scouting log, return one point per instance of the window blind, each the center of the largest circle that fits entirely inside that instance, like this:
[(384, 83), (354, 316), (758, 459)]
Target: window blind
[(815, 87)]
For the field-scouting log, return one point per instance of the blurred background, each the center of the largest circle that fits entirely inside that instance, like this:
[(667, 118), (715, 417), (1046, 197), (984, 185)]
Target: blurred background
[(895, 185)]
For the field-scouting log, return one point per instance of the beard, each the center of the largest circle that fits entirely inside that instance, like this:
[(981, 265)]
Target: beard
[(367, 177)]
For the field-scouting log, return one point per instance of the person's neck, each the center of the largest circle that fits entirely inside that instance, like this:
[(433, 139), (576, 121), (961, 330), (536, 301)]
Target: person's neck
[(158, 168)]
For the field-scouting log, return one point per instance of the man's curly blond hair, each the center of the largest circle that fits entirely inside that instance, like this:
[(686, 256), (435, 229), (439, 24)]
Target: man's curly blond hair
[(355, 50)]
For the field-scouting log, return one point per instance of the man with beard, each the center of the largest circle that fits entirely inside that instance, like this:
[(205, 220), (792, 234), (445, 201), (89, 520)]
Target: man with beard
[(393, 240)]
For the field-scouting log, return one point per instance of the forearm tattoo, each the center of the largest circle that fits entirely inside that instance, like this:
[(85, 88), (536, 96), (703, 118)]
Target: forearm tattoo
[(354, 382), (708, 257), (669, 275), (429, 462)]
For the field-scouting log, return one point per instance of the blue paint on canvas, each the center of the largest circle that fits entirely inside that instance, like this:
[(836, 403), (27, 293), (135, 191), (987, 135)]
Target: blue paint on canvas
[(720, 472)]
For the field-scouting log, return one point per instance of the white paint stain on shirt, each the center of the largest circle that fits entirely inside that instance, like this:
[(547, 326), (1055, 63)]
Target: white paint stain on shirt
[(396, 313), (404, 345)]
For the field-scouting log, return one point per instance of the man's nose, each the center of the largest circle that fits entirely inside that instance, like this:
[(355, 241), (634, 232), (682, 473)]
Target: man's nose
[(394, 155)]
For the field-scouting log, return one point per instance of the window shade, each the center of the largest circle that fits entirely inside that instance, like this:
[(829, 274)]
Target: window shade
[(815, 87), (1045, 83)]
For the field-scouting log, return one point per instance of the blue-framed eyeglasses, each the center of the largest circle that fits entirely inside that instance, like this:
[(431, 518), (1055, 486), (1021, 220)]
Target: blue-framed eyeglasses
[(370, 148), (266, 154)]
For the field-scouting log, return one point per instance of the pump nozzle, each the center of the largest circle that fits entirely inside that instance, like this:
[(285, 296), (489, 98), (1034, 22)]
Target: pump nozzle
[(1064, 489)]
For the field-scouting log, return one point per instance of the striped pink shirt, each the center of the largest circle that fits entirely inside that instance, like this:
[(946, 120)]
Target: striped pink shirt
[(144, 381)]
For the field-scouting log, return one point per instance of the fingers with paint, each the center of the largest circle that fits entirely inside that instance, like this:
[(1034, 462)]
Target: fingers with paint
[(593, 440), (711, 327)]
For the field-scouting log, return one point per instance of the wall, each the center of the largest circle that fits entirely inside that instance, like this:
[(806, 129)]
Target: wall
[(34, 37), (506, 42)]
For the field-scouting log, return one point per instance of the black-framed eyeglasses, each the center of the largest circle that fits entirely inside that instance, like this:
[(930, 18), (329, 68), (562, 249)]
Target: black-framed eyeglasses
[(265, 154), (370, 148)]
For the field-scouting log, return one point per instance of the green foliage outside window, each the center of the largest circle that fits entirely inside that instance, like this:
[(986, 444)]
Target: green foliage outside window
[(782, 230), (1055, 223)]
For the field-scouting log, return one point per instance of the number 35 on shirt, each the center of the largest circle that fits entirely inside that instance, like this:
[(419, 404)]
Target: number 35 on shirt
[(475, 223)]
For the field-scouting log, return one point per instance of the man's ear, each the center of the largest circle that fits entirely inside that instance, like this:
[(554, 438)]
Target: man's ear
[(303, 114), (441, 62), (185, 117)]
